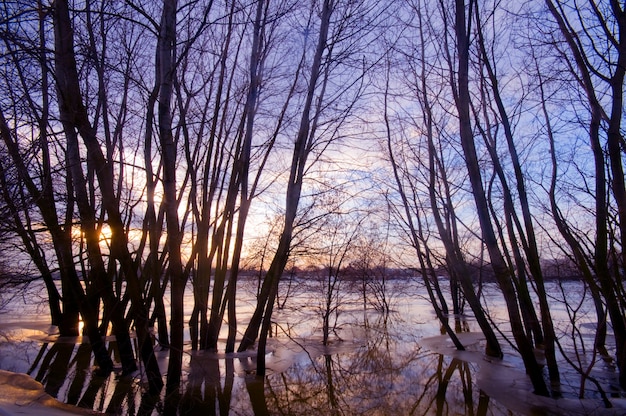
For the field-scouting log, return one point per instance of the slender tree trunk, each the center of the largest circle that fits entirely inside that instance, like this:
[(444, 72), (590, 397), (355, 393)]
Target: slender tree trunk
[(101, 286), (512, 223), (607, 284), (167, 53), (263, 311), (61, 239), (615, 141), (153, 225), (243, 165), (529, 242), (71, 97), (471, 160), (25, 231), (456, 263), (416, 232), (211, 182)]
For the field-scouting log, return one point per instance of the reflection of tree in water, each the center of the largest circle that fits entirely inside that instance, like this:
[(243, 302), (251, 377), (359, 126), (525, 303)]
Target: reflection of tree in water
[(389, 373), (384, 376), (204, 393), (66, 371), (55, 367)]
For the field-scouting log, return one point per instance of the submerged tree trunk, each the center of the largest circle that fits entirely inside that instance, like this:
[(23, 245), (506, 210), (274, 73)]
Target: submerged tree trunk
[(100, 285), (616, 150), (445, 217), (152, 273), (529, 242), (68, 319), (25, 231), (263, 311), (416, 234), (584, 68), (242, 165), (70, 95), (17, 204), (167, 54), (498, 264)]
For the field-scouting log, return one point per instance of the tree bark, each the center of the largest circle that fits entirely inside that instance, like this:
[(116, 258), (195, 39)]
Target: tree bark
[(71, 98), (471, 160), (263, 311), (606, 283), (167, 53)]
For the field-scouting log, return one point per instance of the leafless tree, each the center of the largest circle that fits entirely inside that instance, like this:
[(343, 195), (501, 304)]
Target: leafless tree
[(313, 135), (598, 70)]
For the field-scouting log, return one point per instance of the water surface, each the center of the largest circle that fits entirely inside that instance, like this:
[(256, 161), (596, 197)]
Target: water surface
[(377, 363)]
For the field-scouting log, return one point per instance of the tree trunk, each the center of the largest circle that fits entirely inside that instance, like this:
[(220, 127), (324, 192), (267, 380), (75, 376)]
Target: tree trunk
[(607, 284), (615, 142), (100, 283), (71, 97), (529, 242), (167, 53), (471, 160), (269, 289)]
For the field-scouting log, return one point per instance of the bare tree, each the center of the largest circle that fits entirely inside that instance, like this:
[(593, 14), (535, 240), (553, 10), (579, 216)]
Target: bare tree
[(498, 264), (302, 149), (435, 178), (16, 195), (16, 38), (309, 139), (590, 67), (76, 120), (544, 336)]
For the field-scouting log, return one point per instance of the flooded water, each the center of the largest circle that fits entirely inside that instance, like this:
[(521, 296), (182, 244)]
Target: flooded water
[(394, 363)]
